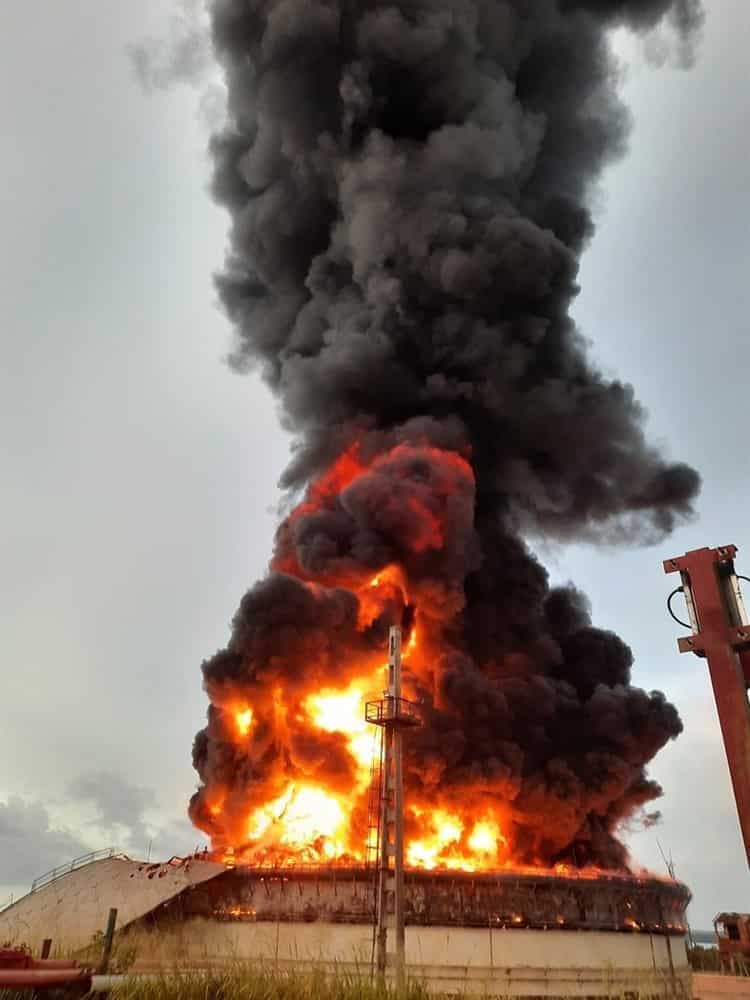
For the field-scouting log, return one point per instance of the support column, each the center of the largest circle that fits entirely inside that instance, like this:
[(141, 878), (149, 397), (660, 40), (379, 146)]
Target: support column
[(722, 636), (393, 713)]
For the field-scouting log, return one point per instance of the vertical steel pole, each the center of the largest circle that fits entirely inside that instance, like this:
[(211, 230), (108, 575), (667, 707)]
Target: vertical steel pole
[(399, 930), (384, 859), (391, 874)]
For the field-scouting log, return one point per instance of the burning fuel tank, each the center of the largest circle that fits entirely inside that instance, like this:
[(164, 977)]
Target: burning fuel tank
[(510, 933)]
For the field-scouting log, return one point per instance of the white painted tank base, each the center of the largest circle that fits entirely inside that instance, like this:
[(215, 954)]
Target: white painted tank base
[(491, 962)]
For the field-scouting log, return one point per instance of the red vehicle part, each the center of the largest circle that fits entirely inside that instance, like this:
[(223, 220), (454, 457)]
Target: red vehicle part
[(721, 634), (18, 970)]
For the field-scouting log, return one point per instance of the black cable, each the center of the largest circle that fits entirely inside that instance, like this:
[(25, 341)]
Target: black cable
[(677, 590), (745, 578)]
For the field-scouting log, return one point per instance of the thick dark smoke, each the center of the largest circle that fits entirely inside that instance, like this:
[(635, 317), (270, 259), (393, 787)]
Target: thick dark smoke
[(408, 187)]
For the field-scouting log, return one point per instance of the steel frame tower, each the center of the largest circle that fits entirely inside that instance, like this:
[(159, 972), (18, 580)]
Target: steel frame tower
[(394, 714), (721, 635)]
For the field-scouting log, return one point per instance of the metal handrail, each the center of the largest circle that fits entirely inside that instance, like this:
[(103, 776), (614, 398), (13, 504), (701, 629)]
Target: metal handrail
[(397, 711), (85, 859)]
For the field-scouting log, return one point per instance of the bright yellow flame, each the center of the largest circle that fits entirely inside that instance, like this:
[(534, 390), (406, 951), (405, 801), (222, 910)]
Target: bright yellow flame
[(449, 829), (484, 838), (344, 712), (429, 852), (338, 712), (244, 720), (449, 846), (422, 855), (303, 816), (311, 814)]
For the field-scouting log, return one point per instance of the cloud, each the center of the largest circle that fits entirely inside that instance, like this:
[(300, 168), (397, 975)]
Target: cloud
[(181, 55), (32, 841), (176, 837), (120, 805), (121, 811), (30, 844)]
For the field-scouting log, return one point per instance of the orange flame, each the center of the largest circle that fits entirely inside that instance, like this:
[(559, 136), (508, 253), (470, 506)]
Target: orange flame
[(317, 805), (344, 712), (244, 720)]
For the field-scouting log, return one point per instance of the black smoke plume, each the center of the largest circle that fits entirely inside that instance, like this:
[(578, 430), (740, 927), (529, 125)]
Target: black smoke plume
[(408, 184)]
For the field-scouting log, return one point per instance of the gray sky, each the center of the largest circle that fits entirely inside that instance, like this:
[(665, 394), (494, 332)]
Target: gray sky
[(139, 475)]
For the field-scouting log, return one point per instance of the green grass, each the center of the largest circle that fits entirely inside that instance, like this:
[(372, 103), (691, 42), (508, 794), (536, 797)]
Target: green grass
[(244, 983), (250, 983)]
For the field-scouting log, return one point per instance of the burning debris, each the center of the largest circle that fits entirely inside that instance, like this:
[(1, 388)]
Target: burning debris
[(408, 187)]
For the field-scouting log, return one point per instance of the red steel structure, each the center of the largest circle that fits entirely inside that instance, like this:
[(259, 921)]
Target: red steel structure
[(19, 971), (721, 634)]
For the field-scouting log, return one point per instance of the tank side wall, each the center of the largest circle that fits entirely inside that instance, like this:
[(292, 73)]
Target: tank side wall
[(509, 963), (460, 901)]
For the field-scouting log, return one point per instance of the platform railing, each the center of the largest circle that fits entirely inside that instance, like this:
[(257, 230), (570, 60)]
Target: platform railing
[(398, 712), (85, 859)]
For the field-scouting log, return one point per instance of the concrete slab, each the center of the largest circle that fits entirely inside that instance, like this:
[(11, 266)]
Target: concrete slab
[(74, 907)]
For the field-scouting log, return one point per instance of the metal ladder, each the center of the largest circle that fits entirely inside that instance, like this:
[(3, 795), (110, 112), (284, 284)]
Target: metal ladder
[(372, 847)]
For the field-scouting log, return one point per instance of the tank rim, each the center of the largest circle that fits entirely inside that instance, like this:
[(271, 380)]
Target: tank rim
[(645, 880)]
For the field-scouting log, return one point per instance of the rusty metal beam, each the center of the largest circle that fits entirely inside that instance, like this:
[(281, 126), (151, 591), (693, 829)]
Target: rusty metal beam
[(721, 635)]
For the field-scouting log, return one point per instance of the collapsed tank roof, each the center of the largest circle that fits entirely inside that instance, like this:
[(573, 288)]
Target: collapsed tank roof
[(70, 904)]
